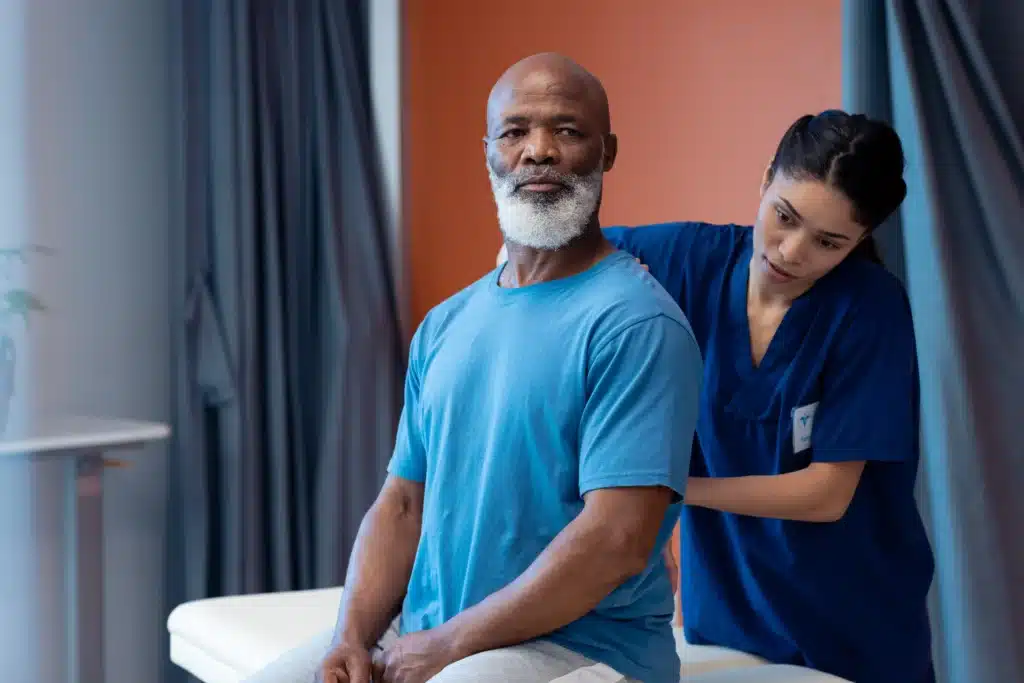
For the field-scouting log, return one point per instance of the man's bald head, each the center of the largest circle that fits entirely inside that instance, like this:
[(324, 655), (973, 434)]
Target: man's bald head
[(548, 146), (553, 74)]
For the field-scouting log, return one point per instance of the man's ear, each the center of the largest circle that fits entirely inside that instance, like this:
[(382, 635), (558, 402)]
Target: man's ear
[(611, 150), (766, 179)]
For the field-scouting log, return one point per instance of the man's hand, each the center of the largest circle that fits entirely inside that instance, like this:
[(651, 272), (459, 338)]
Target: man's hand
[(413, 658), (347, 663)]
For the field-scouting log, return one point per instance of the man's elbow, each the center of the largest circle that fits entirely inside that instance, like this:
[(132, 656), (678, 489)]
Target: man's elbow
[(400, 502), (624, 525), (629, 551)]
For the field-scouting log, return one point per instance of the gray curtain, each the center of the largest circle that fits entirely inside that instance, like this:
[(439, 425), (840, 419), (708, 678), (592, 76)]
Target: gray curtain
[(949, 74), (288, 362)]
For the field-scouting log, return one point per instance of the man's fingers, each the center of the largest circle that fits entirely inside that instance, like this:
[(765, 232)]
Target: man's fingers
[(378, 666), (358, 672), (335, 676)]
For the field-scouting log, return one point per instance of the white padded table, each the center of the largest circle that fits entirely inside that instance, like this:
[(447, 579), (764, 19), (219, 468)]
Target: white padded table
[(226, 640)]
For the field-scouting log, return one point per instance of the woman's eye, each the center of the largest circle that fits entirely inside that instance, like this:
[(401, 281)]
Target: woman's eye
[(828, 244), (783, 216)]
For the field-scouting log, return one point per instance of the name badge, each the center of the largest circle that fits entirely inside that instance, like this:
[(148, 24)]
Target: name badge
[(803, 423)]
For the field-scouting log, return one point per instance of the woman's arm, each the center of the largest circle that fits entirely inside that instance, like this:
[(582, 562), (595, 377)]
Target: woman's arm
[(821, 492)]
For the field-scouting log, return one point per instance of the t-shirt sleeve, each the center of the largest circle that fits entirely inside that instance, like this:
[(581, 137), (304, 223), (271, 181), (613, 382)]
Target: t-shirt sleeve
[(409, 459), (870, 397), (643, 389)]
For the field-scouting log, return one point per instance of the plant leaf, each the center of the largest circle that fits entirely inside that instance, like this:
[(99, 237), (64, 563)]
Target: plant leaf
[(20, 302)]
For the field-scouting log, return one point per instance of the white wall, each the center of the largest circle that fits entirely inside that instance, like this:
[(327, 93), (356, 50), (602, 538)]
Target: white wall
[(386, 37), (86, 114), (96, 106)]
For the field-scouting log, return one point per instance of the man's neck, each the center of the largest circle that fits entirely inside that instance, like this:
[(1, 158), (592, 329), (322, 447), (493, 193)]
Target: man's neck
[(528, 266)]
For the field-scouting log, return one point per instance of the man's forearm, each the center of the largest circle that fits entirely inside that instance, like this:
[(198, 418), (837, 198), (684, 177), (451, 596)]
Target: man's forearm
[(581, 566), (379, 569)]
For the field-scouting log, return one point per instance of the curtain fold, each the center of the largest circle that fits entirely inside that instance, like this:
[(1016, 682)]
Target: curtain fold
[(288, 361), (947, 74)]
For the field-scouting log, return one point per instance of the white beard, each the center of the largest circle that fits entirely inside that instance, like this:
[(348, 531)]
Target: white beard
[(542, 223)]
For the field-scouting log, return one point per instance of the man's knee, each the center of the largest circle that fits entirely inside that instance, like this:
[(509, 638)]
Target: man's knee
[(492, 666), (531, 663)]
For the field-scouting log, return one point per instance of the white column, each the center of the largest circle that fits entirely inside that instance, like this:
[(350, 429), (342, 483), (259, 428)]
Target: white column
[(25, 616)]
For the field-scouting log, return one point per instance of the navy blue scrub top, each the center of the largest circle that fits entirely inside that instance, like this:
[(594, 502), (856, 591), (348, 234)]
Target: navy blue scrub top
[(848, 597)]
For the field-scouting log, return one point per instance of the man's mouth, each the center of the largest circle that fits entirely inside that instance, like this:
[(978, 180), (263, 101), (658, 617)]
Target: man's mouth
[(541, 187), (541, 184)]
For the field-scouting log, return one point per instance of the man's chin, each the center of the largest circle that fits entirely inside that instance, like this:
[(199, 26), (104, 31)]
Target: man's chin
[(527, 244), (549, 240), (542, 198)]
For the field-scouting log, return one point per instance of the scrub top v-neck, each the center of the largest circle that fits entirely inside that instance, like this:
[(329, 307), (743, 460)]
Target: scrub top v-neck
[(838, 382)]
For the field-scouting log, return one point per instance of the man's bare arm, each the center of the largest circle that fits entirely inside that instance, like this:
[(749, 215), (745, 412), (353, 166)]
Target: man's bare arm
[(608, 543), (381, 563)]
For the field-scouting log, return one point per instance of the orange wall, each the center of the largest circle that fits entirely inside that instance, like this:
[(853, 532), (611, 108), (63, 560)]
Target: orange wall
[(700, 94)]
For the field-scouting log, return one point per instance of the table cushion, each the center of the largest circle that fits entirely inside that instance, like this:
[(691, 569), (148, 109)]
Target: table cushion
[(769, 673), (699, 659), (226, 640)]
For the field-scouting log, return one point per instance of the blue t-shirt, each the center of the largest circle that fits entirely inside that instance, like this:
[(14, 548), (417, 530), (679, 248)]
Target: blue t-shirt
[(520, 401), (838, 382)]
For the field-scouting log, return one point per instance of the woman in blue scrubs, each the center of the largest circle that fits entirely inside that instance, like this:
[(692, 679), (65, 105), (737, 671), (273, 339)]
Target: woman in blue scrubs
[(801, 540)]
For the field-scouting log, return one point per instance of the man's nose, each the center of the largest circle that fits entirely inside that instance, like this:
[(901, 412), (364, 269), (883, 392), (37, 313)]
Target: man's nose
[(540, 149)]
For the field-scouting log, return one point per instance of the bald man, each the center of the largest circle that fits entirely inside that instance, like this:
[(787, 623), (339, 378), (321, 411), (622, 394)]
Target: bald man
[(544, 445)]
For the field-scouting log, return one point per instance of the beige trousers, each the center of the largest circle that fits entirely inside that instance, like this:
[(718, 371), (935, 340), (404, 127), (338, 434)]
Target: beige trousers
[(536, 662)]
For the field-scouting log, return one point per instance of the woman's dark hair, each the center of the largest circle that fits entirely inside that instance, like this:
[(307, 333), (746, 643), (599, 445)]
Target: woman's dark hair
[(861, 157)]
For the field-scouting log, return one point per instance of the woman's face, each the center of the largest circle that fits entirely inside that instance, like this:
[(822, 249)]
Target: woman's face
[(804, 229)]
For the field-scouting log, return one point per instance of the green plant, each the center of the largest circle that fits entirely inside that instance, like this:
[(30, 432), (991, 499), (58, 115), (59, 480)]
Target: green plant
[(16, 301)]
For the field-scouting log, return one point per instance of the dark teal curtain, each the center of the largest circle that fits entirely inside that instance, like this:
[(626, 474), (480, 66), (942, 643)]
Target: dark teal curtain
[(287, 366), (949, 74)]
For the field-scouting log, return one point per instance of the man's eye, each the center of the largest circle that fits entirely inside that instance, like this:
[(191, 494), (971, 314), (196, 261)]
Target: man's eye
[(571, 132), (511, 133)]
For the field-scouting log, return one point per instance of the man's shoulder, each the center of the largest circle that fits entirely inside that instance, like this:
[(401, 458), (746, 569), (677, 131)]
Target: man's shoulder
[(629, 295), (441, 315)]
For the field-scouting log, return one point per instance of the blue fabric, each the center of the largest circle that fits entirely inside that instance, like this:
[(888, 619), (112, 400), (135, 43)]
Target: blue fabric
[(521, 401), (848, 597)]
